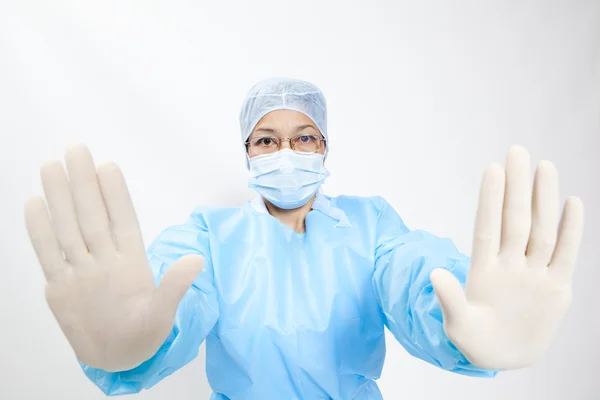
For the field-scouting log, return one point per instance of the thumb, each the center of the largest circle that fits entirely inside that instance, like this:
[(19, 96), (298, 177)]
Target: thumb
[(177, 280), (449, 293)]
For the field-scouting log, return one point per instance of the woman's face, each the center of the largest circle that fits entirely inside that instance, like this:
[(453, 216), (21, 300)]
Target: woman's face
[(284, 124)]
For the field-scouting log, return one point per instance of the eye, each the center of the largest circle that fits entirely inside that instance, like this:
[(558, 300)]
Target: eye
[(307, 139), (265, 141)]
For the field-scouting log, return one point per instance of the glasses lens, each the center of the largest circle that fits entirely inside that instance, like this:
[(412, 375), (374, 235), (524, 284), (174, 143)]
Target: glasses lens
[(265, 144), (307, 143)]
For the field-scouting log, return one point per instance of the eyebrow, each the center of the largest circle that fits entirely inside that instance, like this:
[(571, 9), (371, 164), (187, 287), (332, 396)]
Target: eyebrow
[(261, 129), (302, 127), (271, 130)]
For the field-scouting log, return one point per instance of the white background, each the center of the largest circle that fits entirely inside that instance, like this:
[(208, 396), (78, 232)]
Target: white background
[(422, 97)]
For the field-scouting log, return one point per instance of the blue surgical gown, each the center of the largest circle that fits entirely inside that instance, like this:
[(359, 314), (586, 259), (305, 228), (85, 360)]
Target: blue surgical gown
[(300, 316)]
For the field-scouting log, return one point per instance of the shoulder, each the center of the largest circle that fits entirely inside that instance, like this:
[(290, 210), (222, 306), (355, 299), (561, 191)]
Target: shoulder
[(200, 221), (359, 205), (374, 211), (193, 234), (204, 216)]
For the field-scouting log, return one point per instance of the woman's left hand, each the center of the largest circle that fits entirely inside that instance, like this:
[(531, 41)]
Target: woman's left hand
[(518, 288)]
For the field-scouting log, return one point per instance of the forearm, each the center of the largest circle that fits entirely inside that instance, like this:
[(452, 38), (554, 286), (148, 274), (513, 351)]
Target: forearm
[(411, 308), (194, 320)]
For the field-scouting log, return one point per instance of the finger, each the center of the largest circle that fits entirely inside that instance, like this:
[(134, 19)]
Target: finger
[(516, 214), (488, 222), (544, 220), (449, 293), (176, 281), (125, 226), (569, 240), (62, 212), (89, 204), (41, 235)]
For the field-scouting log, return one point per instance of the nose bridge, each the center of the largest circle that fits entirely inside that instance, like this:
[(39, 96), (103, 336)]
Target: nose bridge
[(286, 143)]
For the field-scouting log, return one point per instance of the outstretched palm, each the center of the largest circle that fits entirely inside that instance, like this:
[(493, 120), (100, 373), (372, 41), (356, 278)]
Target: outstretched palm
[(99, 283), (519, 284)]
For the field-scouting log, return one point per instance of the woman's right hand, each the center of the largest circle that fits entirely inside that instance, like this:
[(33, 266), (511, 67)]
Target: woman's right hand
[(99, 284)]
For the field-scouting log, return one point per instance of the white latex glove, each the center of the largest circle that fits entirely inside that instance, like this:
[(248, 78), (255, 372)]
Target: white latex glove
[(518, 287), (99, 285)]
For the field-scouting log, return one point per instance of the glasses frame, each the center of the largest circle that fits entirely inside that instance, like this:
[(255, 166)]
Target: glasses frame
[(247, 143)]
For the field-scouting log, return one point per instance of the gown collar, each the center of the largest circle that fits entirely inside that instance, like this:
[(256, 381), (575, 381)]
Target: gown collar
[(322, 203)]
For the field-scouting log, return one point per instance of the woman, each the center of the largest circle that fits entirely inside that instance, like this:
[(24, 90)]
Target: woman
[(292, 291)]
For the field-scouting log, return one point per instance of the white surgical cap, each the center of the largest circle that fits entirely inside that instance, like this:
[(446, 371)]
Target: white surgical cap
[(283, 94)]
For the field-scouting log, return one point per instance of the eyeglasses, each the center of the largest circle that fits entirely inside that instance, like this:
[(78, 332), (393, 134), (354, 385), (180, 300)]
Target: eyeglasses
[(271, 144)]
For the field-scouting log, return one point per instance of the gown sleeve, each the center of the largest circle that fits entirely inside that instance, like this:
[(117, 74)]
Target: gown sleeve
[(196, 315), (403, 261)]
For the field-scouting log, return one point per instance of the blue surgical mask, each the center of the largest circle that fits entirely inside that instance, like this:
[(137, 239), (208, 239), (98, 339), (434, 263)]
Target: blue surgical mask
[(286, 178)]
